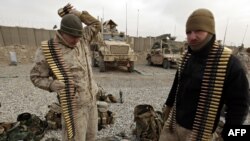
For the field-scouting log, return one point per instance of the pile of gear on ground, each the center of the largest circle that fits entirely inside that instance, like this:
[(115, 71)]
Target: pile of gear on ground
[(30, 127)]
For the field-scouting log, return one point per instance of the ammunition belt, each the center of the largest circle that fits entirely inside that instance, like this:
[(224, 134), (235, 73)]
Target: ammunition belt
[(171, 122), (53, 56), (210, 94)]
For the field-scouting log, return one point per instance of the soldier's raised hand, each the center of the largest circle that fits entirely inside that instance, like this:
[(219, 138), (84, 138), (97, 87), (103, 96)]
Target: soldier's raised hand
[(65, 10), (68, 9)]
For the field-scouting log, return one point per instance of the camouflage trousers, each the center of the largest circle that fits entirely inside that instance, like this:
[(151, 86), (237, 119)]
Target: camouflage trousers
[(86, 123), (181, 134)]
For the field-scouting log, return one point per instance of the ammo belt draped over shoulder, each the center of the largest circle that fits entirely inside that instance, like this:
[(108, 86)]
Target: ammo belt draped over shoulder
[(53, 56), (210, 94)]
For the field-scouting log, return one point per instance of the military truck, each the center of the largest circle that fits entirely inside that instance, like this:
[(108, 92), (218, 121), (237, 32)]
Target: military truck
[(111, 49), (164, 52)]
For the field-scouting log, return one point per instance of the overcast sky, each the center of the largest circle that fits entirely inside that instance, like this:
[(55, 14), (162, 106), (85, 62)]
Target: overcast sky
[(148, 17)]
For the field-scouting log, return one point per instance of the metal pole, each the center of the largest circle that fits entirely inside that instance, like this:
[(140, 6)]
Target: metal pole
[(126, 22), (137, 22), (244, 35), (175, 30), (225, 34), (102, 28), (103, 13)]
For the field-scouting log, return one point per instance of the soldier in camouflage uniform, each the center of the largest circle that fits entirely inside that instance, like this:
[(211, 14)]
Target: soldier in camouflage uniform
[(74, 41)]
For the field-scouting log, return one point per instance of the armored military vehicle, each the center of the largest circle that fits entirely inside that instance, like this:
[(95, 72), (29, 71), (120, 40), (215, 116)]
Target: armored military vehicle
[(164, 52), (111, 49)]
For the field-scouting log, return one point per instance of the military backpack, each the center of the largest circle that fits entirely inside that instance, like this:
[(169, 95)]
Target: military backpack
[(148, 123), (28, 127)]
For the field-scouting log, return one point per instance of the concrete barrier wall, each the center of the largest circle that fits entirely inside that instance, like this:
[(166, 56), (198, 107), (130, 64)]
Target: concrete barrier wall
[(23, 36), (26, 40), (1, 38), (15, 35), (141, 44), (52, 33), (7, 38), (32, 37)]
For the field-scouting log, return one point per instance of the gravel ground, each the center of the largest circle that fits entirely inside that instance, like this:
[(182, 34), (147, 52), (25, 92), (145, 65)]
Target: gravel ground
[(150, 86)]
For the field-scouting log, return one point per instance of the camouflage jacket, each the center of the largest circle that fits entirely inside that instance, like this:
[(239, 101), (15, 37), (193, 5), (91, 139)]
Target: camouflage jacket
[(76, 58)]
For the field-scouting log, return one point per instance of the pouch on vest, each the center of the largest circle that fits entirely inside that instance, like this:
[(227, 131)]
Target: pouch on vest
[(53, 117), (105, 117)]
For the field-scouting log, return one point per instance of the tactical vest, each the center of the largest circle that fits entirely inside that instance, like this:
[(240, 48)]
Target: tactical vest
[(53, 117), (210, 94), (105, 118)]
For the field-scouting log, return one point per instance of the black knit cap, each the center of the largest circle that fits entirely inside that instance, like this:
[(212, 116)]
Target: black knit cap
[(72, 25)]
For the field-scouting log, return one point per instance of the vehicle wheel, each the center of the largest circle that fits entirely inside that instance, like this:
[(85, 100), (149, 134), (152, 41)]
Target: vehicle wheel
[(166, 64), (131, 67), (149, 62), (102, 65)]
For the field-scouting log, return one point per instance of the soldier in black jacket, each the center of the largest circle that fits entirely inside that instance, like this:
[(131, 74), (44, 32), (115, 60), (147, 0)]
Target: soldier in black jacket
[(208, 77)]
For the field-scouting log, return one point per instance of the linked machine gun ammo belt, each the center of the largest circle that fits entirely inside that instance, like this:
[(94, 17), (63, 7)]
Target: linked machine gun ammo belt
[(54, 57), (211, 90), (210, 94)]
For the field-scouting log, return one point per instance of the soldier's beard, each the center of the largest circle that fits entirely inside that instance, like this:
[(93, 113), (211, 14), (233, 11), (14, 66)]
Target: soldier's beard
[(72, 44), (199, 45)]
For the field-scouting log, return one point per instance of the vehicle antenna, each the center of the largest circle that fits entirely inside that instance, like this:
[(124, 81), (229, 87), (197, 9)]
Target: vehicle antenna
[(225, 34), (244, 35)]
